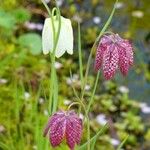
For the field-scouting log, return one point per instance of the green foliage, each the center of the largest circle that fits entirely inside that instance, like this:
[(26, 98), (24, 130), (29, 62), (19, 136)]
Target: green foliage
[(24, 118), (21, 15), (32, 41), (7, 20)]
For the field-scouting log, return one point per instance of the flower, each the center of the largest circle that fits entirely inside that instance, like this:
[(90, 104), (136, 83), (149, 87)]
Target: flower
[(113, 52), (65, 41), (64, 125)]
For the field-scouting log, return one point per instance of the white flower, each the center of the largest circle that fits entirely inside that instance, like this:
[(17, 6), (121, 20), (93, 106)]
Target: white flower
[(138, 14), (123, 89), (101, 119), (119, 5), (65, 41), (26, 95), (67, 102), (58, 65), (3, 81), (114, 142), (96, 20), (145, 108)]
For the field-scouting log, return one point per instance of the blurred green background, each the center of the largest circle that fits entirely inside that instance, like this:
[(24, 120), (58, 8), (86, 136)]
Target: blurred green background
[(25, 71)]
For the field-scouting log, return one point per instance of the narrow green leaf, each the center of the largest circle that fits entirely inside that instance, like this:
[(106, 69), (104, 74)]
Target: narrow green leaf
[(122, 143), (80, 55), (93, 139), (3, 146)]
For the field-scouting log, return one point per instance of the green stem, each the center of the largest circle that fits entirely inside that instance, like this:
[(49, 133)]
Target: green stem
[(87, 72), (94, 46), (88, 132), (80, 55), (52, 56), (93, 93)]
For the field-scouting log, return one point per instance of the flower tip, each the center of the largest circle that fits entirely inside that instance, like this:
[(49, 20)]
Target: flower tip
[(45, 52)]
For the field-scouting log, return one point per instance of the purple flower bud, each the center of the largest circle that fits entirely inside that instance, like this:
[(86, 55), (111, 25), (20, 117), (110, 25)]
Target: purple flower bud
[(64, 125), (113, 52)]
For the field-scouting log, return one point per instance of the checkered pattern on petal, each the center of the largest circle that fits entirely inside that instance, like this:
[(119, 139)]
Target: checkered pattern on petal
[(113, 52), (129, 51), (64, 125), (99, 57), (110, 62), (123, 60), (105, 41), (73, 131), (57, 128)]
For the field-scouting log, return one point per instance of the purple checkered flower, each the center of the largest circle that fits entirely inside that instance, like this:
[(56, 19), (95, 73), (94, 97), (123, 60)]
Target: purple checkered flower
[(64, 125), (113, 52)]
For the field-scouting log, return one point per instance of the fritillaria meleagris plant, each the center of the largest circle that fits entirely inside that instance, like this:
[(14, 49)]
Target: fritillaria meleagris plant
[(64, 125), (113, 52)]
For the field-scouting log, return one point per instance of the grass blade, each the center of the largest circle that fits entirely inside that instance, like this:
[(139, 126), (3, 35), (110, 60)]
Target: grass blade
[(93, 139), (122, 143)]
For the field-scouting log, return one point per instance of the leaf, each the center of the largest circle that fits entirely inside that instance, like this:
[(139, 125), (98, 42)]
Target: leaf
[(21, 15), (3, 146), (32, 41), (7, 20), (93, 139)]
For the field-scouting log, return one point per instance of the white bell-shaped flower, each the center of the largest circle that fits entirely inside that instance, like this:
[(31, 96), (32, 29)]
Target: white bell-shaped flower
[(65, 40)]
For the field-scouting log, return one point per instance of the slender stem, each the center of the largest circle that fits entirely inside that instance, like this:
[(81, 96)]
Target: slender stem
[(93, 93), (94, 45), (88, 132), (80, 55), (50, 15), (87, 72), (52, 56)]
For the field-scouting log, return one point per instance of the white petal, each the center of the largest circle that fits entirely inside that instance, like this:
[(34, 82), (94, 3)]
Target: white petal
[(65, 41), (47, 36)]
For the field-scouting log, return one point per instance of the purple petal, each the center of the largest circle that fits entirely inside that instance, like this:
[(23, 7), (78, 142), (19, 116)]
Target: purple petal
[(64, 125), (103, 44), (129, 51), (123, 61), (110, 61), (73, 131), (57, 132), (99, 57)]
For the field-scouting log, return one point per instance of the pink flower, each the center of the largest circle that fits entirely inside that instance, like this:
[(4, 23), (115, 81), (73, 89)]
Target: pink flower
[(64, 125), (113, 52)]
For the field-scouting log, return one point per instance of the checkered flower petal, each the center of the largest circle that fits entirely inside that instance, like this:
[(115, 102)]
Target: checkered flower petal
[(113, 52), (123, 61), (73, 131), (110, 62), (64, 125), (129, 50)]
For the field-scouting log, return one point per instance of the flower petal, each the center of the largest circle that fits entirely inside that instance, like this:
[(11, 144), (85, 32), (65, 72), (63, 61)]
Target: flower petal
[(123, 60), (110, 61), (99, 57), (47, 36), (73, 131), (57, 129), (65, 41), (129, 51)]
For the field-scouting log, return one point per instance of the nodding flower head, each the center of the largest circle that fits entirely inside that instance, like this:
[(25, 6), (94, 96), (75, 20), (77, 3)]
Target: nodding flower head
[(64, 125), (113, 52), (65, 40)]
